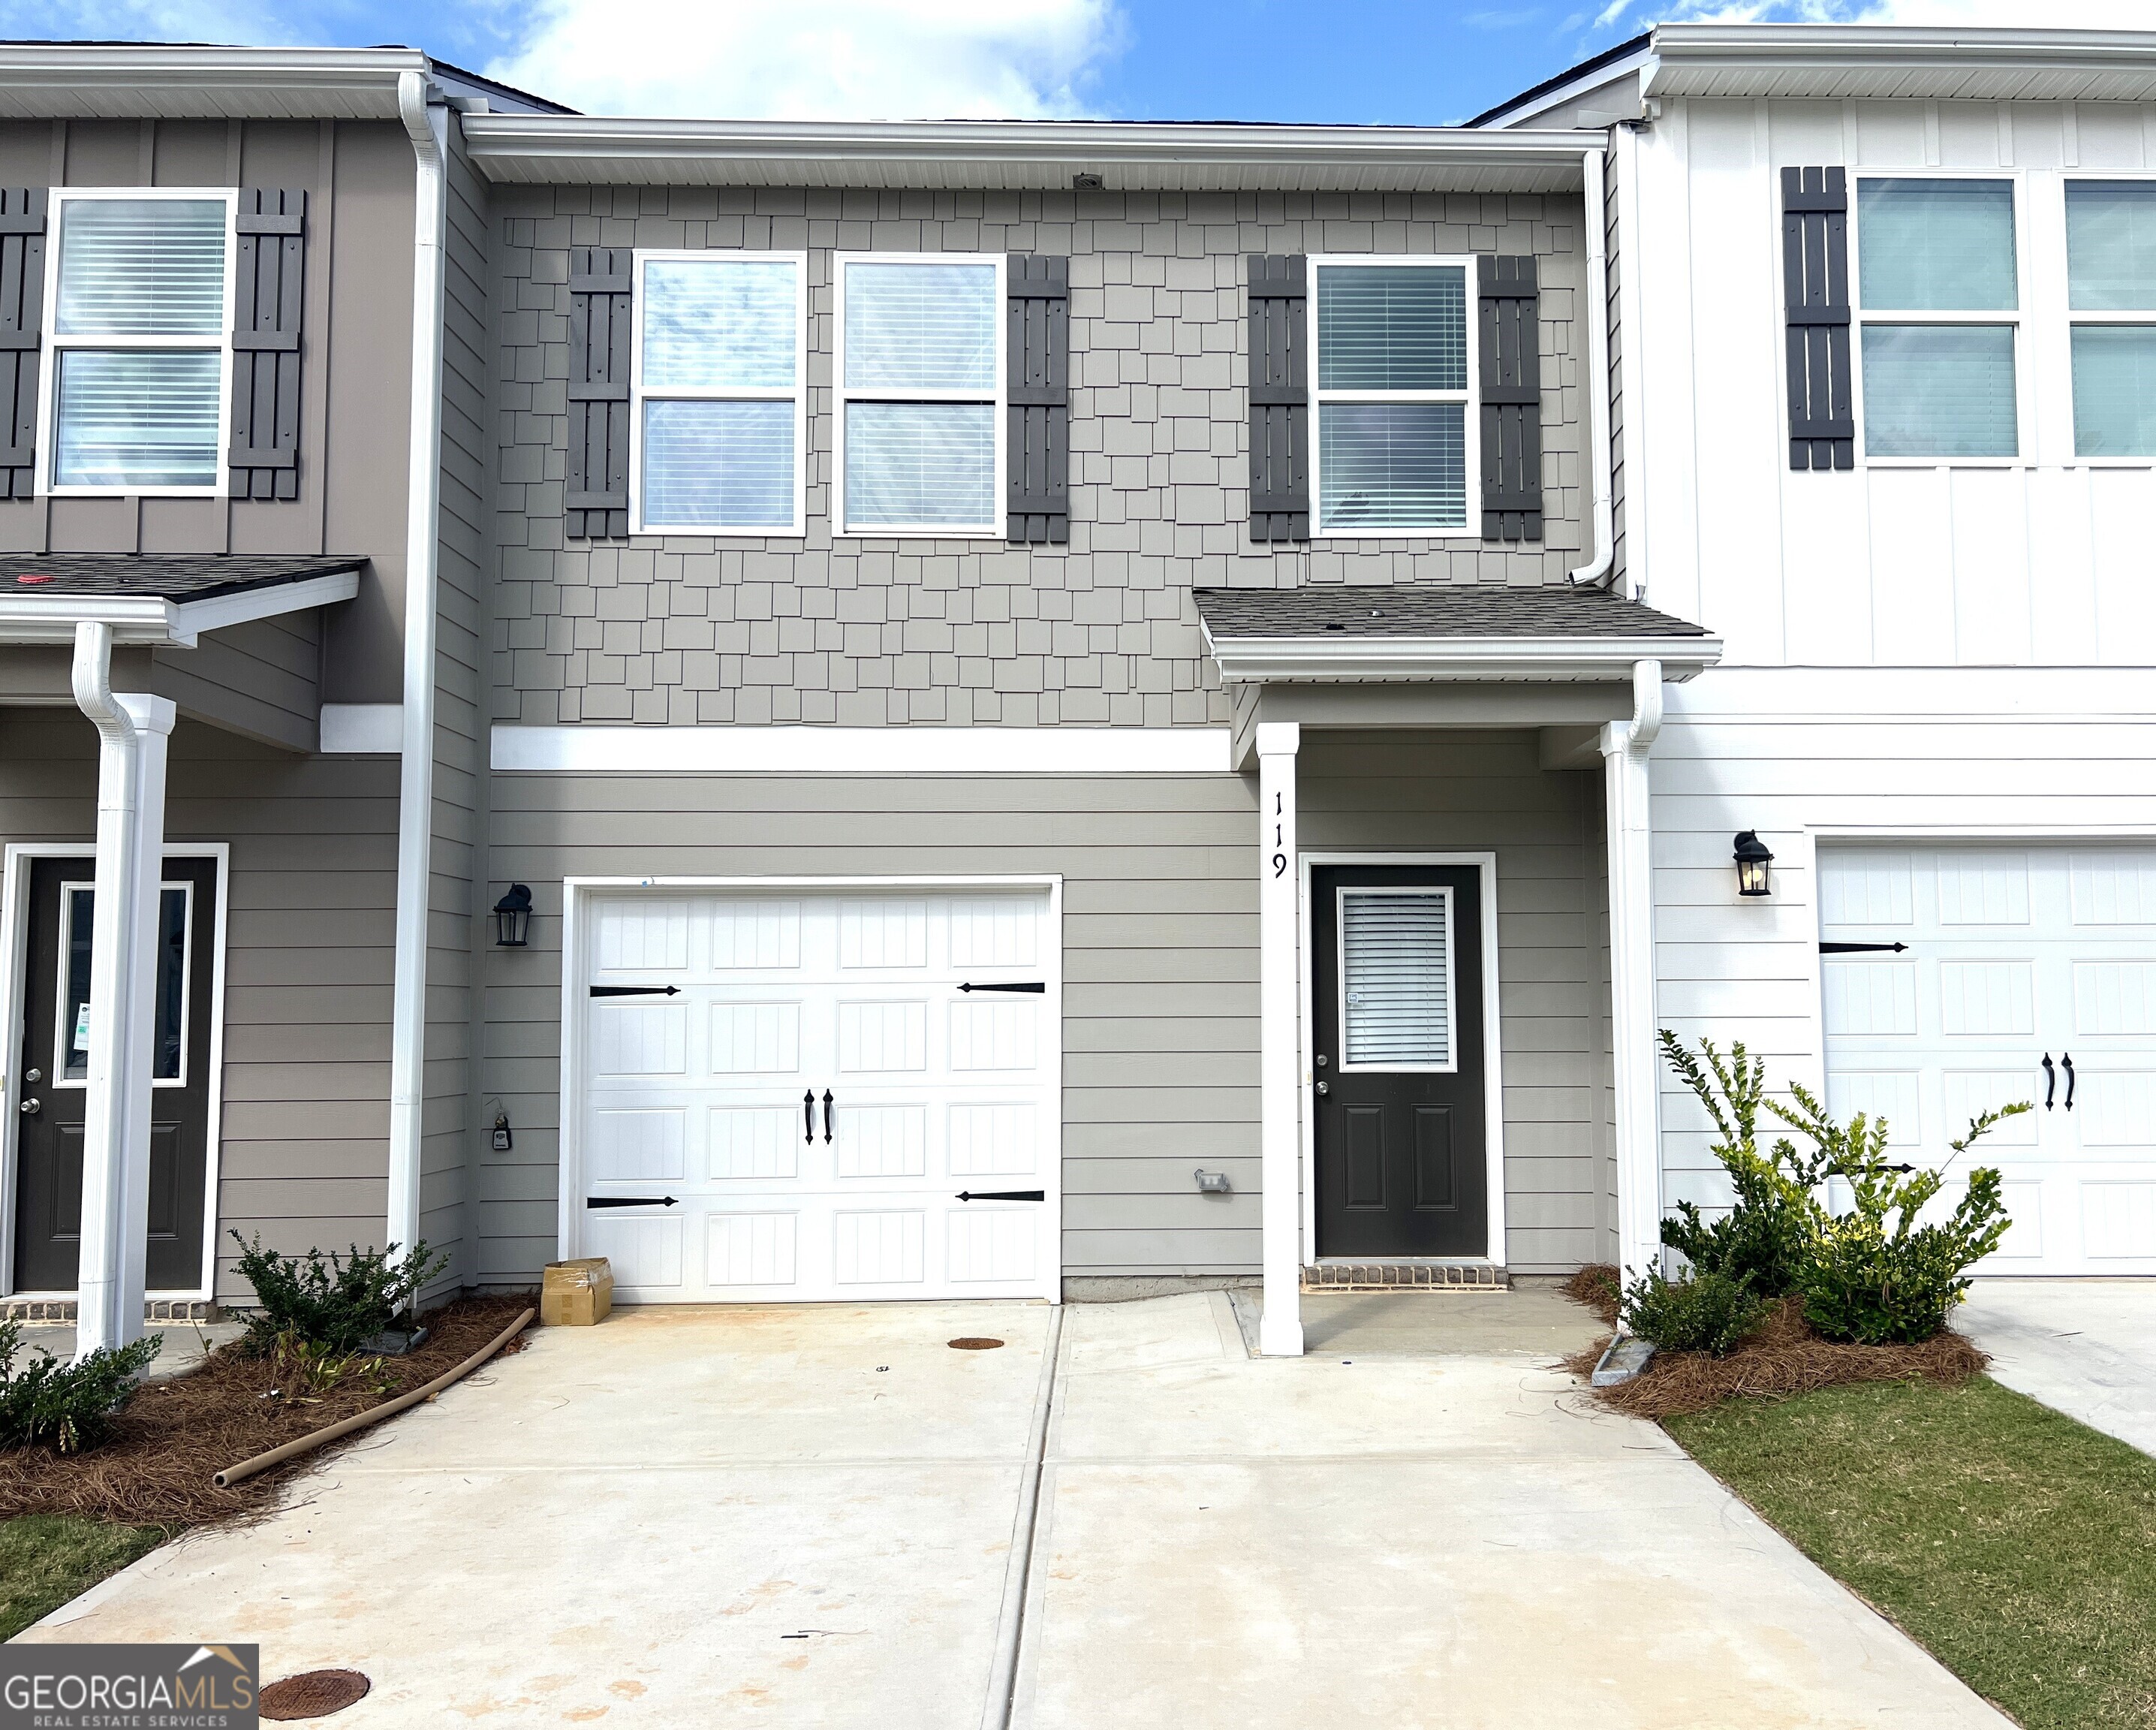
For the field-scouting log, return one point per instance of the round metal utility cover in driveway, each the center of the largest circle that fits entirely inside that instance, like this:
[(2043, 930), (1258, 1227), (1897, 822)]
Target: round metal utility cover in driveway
[(2028, 972), (848, 1095)]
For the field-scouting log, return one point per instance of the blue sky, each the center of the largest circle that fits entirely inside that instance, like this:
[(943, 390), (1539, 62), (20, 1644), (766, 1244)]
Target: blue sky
[(1338, 60)]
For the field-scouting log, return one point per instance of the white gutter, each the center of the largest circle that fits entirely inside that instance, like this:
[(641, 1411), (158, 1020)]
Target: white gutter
[(101, 1310), (1337, 658), (108, 81), (415, 795), (1853, 60), (151, 619), (1602, 571)]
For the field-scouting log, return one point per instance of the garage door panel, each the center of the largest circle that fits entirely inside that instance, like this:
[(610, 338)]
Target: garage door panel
[(756, 1039), (2014, 953), (759, 1142), (642, 936), (819, 1092)]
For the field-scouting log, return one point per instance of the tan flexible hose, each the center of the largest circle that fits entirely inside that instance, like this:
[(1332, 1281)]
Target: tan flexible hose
[(374, 1415)]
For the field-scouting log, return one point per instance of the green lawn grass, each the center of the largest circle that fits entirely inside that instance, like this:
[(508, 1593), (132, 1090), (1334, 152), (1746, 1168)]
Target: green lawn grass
[(47, 1559), (2018, 1546)]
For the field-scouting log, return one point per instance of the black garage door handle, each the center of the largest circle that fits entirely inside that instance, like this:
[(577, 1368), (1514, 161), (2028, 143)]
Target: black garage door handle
[(1003, 1195), (630, 1201)]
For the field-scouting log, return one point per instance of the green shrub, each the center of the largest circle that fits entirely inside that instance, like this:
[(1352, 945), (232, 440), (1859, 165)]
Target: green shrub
[(1873, 1275), (1761, 1240), (68, 1406), (334, 1303), (1705, 1312)]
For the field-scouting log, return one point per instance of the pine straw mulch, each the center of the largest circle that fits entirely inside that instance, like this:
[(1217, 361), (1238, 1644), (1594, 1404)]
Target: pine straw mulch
[(1784, 1358), (155, 1469)]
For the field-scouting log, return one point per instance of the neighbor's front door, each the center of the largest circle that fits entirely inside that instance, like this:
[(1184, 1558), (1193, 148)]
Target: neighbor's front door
[(1397, 1017), (55, 1066)]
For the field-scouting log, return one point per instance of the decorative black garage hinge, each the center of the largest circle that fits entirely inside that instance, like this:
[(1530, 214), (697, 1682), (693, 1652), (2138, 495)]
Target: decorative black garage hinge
[(636, 991), (1003, 1195), (1860, 948), (630, 1201), (1034, 986)]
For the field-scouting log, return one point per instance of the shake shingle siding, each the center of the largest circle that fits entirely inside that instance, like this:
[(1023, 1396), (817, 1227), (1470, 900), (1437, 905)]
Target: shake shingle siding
[(859, 632)]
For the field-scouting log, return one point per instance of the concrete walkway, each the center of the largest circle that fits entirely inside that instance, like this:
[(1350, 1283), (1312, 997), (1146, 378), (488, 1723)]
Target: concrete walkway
[(182, 1344), (2086, 1347), (803, 1518)]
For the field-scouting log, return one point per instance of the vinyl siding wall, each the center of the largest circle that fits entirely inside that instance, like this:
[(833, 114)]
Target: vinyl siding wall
[(311, 928), (860, 632)]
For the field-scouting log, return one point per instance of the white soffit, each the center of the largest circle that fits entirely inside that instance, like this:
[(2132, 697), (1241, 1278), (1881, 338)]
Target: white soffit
[(556, 150), (63, 80), (1485, 660), (1827, 61), (152, 618), (584, 749)]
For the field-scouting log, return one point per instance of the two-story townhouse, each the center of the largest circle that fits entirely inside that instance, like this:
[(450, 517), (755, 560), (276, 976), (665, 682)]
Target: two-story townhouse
[(1889, 425), (240, 507)]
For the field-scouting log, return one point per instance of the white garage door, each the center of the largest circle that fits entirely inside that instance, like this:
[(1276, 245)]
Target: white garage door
[(2015, 955), (848, 1095)]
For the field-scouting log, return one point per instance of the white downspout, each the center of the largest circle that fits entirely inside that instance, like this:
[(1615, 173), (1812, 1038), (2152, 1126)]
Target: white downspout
[(1598, 574), (415, 798), (104, 1318), (1628, 817)]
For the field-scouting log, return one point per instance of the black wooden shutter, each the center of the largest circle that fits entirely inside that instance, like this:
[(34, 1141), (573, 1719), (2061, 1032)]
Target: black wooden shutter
[(1816, 314), (1510, 386), (272, 230), (1280, 398), (1038, 458), (601, 300), (21, 325)]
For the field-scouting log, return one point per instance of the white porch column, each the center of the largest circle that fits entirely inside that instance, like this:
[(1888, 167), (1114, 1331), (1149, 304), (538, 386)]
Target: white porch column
[(1280, 995), (132, 733), (1632, 1022)]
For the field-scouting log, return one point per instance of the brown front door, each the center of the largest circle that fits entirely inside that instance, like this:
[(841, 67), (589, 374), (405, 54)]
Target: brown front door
[(1396, 954), (55, 1064)]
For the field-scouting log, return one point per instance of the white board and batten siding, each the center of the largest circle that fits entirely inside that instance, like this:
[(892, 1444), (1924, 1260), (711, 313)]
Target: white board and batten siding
[(2043, 559), (817, 1093)]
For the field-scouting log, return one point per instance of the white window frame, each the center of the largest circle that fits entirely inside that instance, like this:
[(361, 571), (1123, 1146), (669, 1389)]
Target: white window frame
[(2075, 317), (56, 344), (2015, 318), (1469, 527), (1444, 892), (842, 394), (797, 393)]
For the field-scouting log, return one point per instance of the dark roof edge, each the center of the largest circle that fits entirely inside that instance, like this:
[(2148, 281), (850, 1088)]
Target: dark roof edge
[(1609, 57)]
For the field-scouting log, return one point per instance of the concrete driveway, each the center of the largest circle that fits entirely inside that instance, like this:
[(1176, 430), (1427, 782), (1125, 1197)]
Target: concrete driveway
[(2086, 1347), (805, 1517)]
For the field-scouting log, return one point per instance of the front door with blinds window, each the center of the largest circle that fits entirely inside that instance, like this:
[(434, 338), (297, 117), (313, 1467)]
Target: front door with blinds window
[(55, 1069), (1396, 972)]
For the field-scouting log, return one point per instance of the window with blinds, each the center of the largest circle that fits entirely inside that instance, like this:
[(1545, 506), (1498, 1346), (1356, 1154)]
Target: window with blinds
[(920, 388), (1393, 398), (2111, 272), (1396, 985), (141, 351), (1941, 384), (717, 403)]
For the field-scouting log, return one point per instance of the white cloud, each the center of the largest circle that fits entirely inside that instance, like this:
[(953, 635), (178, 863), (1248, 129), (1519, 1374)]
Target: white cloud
[(252, 21), (816, 59)]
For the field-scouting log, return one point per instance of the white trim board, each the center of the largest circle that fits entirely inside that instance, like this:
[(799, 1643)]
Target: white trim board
[(14, 923), (361, 729), (861, 750), (1497, 1251), (576, 891)]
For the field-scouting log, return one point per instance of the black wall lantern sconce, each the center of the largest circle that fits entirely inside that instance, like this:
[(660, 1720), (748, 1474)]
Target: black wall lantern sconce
[(1753, 860), (512, 917)]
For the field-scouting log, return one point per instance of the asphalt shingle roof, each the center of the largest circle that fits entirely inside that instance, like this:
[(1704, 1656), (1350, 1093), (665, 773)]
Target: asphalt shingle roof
[(169, 576), (1466, 609)]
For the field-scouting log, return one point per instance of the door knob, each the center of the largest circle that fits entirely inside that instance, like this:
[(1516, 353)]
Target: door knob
[(1322, 1090), (31, 1107)]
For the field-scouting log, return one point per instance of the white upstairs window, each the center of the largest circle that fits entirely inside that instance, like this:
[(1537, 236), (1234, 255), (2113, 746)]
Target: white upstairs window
[(1939, 292), (717, 409), (921, 394), (1392, 363), (137, 399), (2111, 289)]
